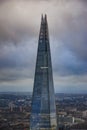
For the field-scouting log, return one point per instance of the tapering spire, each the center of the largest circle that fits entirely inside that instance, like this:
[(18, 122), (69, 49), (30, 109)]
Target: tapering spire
[(45, 18), (42, 18), (43, 114)]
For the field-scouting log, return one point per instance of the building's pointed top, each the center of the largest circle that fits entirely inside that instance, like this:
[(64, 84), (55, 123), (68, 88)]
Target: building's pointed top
[(43, 118), (42, 17), (45, 17)]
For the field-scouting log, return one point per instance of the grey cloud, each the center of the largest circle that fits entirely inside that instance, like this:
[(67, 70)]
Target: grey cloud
[(18, 55), (65, 62), (9, 75), (67, 24), (15, 21), (72, 30), (18, 20), (17, 62)]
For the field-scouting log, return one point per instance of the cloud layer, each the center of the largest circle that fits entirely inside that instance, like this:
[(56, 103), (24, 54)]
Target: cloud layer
[(19, 30)]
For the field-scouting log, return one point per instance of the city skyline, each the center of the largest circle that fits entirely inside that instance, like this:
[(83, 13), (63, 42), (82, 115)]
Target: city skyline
[(19, 26)]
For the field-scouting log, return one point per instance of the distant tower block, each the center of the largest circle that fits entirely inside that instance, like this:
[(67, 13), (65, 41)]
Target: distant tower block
[(43, 113), (11, 106), (21, 109)]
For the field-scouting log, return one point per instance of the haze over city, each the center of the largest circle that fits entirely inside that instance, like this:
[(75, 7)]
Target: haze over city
[(19, 30)]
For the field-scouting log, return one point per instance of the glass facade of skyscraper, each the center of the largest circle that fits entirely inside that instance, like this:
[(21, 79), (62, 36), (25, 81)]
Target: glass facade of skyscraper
[(43, 113)]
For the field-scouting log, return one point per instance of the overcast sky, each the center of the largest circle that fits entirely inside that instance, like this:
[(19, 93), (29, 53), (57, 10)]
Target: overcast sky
[(19, 30)]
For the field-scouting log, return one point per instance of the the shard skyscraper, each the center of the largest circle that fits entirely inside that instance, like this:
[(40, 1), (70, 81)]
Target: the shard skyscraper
[(43, 113)]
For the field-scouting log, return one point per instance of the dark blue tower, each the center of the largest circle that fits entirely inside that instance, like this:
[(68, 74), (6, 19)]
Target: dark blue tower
[(43, 113)]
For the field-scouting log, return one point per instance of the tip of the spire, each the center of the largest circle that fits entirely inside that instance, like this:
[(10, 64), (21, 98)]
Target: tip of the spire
[(44, 18)]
